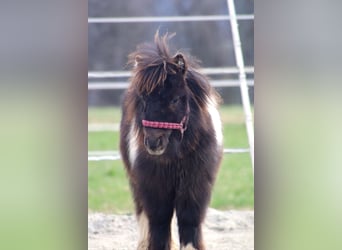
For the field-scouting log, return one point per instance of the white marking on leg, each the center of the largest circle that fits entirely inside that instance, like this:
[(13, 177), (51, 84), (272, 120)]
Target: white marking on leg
[(174, 234), (189, 246), (144, 232), (132, 143), (216, 120)]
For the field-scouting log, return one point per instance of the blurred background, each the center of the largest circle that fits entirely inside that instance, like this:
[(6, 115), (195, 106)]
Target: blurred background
[(209, 41), (115, 28)]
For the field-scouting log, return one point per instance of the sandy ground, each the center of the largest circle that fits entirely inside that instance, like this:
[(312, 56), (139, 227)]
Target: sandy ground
[(223, 230)]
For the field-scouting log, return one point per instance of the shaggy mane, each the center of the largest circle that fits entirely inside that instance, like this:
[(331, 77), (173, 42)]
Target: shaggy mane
[(152, 62)]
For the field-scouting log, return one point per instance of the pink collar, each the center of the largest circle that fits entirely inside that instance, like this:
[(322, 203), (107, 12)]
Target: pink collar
[(182, 126)]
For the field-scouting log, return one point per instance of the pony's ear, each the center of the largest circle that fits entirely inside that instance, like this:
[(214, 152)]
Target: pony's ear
[(136, 61), (180, 62)]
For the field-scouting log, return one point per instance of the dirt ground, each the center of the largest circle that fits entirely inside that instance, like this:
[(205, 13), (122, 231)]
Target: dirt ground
[(223, 230)]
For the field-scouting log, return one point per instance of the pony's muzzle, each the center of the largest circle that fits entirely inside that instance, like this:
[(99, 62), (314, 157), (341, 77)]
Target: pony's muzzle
[(156, 140)]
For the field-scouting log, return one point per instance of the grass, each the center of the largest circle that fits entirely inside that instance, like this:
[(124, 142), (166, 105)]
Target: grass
[(108, 189)]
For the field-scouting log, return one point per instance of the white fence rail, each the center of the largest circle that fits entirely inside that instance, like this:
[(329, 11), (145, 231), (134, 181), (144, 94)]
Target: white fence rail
[(206, 71), (151, 19), (124, 85), (101, 85), (115, 155)]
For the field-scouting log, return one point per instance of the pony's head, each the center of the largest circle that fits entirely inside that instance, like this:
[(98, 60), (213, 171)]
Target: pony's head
[(163, 96)]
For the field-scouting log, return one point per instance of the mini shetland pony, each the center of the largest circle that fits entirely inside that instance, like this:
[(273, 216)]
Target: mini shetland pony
[(171, 145)]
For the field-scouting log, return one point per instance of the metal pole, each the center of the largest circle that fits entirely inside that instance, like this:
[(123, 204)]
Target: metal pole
[(242, 76)]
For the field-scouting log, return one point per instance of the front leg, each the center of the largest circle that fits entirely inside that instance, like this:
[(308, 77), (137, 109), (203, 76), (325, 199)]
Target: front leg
[(160, 232), (190, 215), (158, 210)]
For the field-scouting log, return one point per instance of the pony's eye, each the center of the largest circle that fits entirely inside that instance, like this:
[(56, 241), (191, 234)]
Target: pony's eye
[(143, 102), (175, 100)]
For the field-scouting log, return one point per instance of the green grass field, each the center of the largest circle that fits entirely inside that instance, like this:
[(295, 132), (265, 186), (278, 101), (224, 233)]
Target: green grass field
[(108, 189)]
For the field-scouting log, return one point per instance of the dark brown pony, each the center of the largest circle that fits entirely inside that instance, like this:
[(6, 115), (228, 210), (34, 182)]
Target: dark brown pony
[(171, 144)]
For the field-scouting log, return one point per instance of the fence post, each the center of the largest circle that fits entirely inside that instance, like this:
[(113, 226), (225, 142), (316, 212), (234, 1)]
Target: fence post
[(242, 75)]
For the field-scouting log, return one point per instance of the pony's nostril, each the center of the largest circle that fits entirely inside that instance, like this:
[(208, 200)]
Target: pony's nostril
[(159, 142)]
